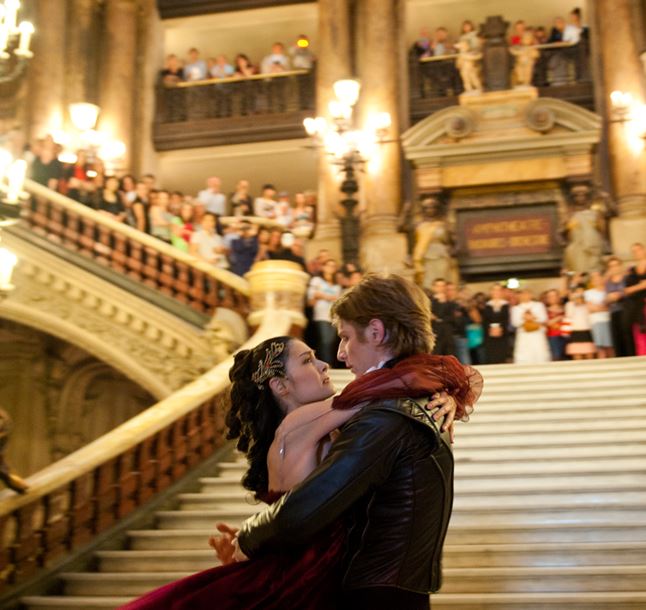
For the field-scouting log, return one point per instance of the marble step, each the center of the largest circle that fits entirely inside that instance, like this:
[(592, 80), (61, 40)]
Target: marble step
[(94, 584), (489, 515), (455, 580), (619, 600), (463, 487), (539, 386), (65, 602), (489, 416), (454, 556), (585, 579), (635, 531)]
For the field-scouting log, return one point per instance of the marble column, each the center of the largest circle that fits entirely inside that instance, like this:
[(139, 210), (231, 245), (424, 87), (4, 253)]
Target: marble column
[(381, 23), (151, 52), (119, 68), (622, 70), (82, 53), (47, 69), (334, 56)]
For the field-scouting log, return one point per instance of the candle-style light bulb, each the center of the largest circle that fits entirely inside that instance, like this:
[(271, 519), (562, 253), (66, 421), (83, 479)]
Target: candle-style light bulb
[(4, 41), (16, 177), (5, 162), (11, 15), (26, 30), (8, 261)]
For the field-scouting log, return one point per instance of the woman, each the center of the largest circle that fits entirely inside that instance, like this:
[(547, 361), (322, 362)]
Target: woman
[(555, 317), (636, 298), (109, 200), (284, 441), (580, 346), (597, 301), (322, 292), (529, 318), (182, 228), (615, 287), (495, 320)]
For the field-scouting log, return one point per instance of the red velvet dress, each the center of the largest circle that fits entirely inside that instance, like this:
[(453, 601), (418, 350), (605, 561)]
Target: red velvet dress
[(307, 579), (310, 578)]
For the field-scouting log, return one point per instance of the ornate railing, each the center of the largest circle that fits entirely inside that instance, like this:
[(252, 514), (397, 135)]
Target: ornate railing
[(137, 255), (229, 110), (562, 70), (88, 491)]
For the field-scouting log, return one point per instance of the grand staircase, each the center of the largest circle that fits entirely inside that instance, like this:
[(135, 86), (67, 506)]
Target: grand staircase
[(550, 505)]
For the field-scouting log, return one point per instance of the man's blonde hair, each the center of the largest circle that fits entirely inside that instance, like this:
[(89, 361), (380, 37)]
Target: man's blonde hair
[(403, 308)]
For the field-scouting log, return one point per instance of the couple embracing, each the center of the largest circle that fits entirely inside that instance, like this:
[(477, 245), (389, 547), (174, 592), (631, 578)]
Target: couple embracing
[(359, 485)]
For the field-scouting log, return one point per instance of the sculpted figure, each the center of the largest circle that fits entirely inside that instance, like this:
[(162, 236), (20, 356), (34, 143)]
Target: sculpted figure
[(526, 55), (467, 64), (585, 234), (431, 255), (9, 478)]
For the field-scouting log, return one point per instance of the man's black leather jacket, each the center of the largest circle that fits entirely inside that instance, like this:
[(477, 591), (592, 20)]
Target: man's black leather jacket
[(391, 471)]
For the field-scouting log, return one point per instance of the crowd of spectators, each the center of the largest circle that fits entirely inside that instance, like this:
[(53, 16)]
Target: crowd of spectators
[(589, 315), (441, 42), (280, 59), (230, 231)]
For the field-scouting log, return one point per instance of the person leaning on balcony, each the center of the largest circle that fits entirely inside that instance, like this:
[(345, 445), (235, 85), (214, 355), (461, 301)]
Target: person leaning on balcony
[(301, 54), (573, 30), (265, 205), (195, 68), (220, 67), (160, 217), (212, 197), (182, 227), (207, 245), (109, 201), (243, 66), (276, 61), (172, 72)]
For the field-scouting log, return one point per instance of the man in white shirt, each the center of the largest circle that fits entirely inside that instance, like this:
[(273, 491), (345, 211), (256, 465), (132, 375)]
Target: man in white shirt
[(265, 205), (276, 61), (208, 245), (195, 68), (212, 198)]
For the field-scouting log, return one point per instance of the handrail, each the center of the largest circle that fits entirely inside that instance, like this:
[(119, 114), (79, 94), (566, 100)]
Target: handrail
[(147, 259), (547, 45), (235, 79), (88, 490)]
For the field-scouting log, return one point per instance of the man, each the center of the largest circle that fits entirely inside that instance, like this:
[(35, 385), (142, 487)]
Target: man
[(390, 469), (265, 205), (195, 68), (276, 61), (208, 245), (212, 198), (444, 313)]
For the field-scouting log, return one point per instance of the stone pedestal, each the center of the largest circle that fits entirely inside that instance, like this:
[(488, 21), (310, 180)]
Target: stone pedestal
[(379, 65), (277, 284)]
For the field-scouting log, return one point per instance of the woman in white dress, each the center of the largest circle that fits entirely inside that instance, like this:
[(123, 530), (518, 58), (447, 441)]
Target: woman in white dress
[(529, 318)]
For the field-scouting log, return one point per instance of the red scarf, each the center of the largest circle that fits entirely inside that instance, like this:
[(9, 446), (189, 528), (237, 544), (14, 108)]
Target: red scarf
[(418, 376)]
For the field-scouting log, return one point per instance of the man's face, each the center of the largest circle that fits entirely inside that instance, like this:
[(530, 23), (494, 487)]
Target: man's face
[(356, 350), (439, 287)]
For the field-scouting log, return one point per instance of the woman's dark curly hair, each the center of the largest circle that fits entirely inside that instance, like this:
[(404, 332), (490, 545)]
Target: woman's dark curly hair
[(255, 415)]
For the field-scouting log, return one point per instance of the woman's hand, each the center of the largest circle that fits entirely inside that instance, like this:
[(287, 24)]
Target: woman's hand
[(224, 543), (447, 408)]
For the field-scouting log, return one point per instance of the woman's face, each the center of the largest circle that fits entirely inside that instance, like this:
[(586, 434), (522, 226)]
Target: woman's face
[(306, 377), (187, 212)]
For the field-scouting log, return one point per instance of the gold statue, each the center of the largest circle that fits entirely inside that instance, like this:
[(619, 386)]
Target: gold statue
[(9, 478), (526, 55), (467, 65), (431, 255)]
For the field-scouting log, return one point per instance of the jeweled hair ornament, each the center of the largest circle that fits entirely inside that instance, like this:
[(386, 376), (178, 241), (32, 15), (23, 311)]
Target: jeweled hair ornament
[(270, 366)]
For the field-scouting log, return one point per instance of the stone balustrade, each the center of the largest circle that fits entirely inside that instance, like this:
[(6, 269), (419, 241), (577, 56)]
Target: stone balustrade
[(137, 255)]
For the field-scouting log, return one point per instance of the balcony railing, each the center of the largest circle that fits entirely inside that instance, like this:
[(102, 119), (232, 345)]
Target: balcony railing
[(562, 70), (233, 110), (130, 252)]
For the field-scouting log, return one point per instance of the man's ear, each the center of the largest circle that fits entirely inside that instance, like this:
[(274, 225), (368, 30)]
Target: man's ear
[(375, 331), (278, 386)]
